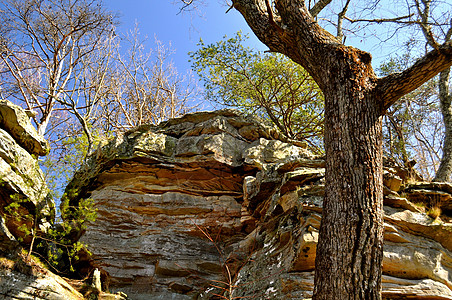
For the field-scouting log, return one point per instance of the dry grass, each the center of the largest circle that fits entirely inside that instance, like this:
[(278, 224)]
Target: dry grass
[(6, 264), (434, 212)]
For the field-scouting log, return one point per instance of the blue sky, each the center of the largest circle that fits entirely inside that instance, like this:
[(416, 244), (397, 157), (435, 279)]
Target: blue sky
[(162, 19)]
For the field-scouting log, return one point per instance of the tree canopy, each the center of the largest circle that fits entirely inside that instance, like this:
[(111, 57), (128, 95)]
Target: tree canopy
[(267, 84), (64, 61)]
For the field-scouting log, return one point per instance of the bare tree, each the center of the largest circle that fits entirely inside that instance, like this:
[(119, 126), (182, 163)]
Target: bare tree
[(412, 127), (350, 249), (445, 168), (144, 86), (46, 46), (434, 38), (118, 88)]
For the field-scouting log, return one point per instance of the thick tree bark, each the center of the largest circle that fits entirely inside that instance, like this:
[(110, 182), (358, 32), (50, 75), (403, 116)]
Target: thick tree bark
[(350, 249), (445, 168), (349, 253)]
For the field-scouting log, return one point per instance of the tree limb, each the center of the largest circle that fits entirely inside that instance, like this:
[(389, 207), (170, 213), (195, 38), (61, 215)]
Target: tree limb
[(340, 19), (317, 8), (449, 32), (256, 15), (425, 26), (399, 20), (394, 86), (296, 35)]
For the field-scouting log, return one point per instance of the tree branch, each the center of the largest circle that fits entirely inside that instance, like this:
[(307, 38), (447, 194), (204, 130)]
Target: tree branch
[(340, 19), (449, 32), (296, 35), (394, 86), (317, 8), (256, 15), (399, 20), (425, 26)]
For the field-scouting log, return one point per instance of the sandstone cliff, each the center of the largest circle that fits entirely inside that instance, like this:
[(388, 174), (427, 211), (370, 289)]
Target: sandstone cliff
[(217, 203)]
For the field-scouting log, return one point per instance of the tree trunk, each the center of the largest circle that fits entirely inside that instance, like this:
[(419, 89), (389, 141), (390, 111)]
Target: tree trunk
[(44, 121), (350, 249), (445, 167)]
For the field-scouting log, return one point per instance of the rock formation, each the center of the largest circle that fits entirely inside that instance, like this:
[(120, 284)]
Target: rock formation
[(23, 191), (32, 282), (25, 206), (218, 203), (24, 201)]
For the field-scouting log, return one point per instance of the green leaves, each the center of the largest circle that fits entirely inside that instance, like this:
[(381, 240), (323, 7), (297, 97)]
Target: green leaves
[(55, 243), (265, 84), (67, 157)]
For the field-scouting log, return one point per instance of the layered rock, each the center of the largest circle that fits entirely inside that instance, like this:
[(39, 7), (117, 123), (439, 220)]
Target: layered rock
[(24, 201), (23, 191), (32, 282), (217, 202)]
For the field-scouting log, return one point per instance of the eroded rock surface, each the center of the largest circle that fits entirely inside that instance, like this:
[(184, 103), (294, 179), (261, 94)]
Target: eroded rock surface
[(18, 285), (23, 201), (23, 191), (218, 199), (17, 123)]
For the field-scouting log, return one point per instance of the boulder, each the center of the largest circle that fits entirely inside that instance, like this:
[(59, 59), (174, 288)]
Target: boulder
[(16, 122), (19, 171), (432, 194)]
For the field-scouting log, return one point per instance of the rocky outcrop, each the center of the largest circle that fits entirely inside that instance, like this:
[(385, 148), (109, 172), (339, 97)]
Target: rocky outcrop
[(23, 191), (23, 278), (17, 123), (24, 201), (218, 203), (32, 282), (432, 194)]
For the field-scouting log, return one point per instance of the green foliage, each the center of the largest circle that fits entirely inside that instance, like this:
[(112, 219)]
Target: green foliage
[(26, 222), (60, 241), (56, 244), (81, 214), (266, 84), (67, 157)]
